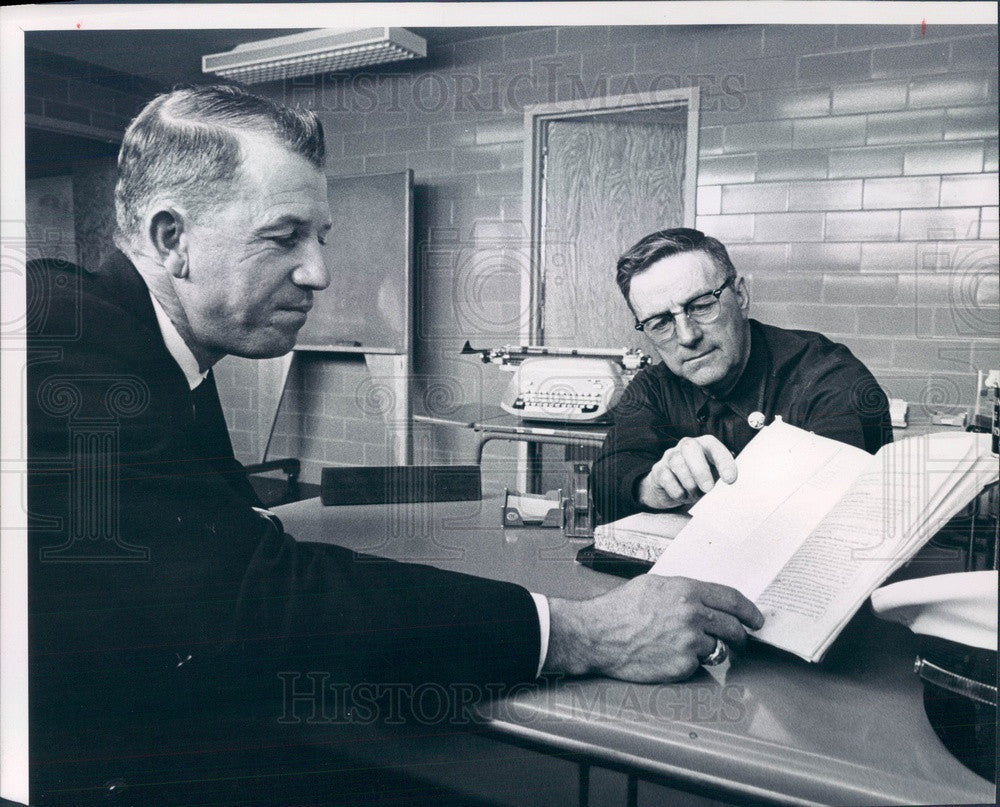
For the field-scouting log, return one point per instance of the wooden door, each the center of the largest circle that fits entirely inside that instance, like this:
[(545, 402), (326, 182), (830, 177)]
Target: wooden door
[(606, 181)]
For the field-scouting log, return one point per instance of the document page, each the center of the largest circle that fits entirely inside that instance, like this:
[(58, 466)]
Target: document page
[(881, 521), (812, 526), (743, 534), (798, 605)]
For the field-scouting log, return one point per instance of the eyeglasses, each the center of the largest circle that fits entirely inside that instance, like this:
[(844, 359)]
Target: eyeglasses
[(702, 309)]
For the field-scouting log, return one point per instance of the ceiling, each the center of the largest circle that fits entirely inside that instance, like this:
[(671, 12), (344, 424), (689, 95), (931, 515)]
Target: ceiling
[(171, 57)]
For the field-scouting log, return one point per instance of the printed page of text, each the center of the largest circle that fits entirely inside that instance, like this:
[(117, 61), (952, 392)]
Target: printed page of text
[(743, 534)]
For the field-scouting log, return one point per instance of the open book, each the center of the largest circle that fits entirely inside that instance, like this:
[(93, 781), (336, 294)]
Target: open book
[(812, 526)]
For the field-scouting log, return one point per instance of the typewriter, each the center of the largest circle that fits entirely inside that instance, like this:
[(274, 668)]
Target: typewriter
[(563, 384)]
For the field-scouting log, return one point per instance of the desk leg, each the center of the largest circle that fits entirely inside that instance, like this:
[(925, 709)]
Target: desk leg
[(483, 440), (535, 468), (584, 787)]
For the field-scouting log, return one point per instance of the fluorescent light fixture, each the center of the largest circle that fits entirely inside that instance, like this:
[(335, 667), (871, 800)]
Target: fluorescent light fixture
[(324, 50)]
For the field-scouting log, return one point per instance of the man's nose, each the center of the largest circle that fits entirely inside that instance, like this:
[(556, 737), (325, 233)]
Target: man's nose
[(687, 330), (312, 272)]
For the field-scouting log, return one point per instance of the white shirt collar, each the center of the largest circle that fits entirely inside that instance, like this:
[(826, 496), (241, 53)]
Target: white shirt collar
[(177, 346)]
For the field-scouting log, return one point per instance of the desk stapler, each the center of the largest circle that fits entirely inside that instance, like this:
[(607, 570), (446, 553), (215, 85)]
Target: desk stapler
[(563, 384), (573, 513), (533, 509)]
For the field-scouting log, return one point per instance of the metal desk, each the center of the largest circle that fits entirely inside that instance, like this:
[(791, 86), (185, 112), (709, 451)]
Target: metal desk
[(495, 424), (492, 423), (768, 729)]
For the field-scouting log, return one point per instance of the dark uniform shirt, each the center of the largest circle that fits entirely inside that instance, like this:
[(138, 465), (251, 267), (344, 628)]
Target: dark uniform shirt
[(805, 378)]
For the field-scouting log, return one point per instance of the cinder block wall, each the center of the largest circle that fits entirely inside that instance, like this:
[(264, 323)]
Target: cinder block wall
[(851, 169), (75, 97), (59, 88)]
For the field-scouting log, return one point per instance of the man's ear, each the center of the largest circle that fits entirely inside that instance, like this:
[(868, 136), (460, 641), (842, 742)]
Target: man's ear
[(169, 239), (743, 294)]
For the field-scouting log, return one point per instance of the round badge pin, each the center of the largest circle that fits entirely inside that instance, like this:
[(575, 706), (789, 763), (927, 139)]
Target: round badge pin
[(756, 420)]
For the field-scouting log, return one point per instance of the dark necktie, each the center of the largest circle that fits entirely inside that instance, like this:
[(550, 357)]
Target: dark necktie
[(728, 425), (210, 438)]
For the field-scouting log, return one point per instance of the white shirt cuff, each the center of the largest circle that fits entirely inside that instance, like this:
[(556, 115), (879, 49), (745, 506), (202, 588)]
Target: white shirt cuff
[(544, 619)]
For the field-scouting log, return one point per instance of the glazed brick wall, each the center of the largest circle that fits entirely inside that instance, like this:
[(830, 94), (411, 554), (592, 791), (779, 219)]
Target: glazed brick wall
[(93, 100), (852, 170)]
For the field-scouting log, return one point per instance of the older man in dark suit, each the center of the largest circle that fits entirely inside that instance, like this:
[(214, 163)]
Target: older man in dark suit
[(161, 597)]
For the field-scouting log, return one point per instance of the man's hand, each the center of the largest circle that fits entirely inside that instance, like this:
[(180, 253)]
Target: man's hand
[(685, 472), (652, 629)]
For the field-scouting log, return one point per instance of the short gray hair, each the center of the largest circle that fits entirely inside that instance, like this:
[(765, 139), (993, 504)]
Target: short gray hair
[(663, 244), (186, 144)]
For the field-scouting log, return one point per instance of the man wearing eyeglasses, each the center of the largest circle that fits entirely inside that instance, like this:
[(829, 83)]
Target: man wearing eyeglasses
[(723, 377)]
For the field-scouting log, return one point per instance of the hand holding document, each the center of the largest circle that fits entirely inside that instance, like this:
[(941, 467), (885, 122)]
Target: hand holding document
[(812, 526), (685, 472)]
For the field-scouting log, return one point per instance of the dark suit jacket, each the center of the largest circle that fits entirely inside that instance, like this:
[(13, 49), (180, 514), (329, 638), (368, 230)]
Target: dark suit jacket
[(154, 586)]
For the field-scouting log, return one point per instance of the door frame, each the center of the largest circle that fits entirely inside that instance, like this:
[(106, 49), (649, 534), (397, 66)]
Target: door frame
[(536, 116)]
